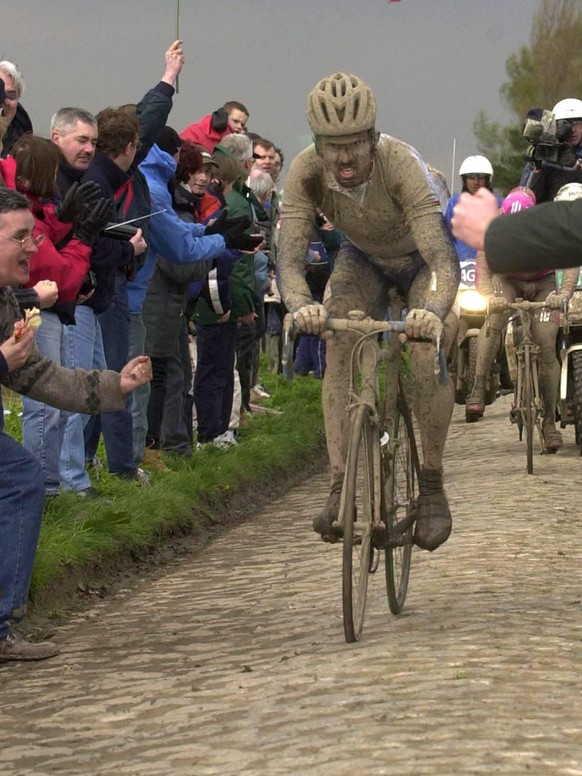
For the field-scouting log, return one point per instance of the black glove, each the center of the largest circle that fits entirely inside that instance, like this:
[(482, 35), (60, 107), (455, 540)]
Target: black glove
[(236, 237), (223, 223), (87, 229), (219, 120), (77, 200)]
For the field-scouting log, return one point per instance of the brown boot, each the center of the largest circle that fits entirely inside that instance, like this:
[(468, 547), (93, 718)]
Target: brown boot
[(152, 459), (433, 516), (14, 647), (475, 402), (552, 438), (323, 523)]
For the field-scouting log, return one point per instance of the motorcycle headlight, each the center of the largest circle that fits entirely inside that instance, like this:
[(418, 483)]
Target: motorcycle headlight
[(472, 301)]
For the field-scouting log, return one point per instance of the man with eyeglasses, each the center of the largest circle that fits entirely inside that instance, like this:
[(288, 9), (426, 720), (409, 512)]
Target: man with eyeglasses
[(23, 369), (19, 122)]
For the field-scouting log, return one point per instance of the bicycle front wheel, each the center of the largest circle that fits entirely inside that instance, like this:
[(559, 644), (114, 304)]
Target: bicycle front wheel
[(360, 504), (400, 493)]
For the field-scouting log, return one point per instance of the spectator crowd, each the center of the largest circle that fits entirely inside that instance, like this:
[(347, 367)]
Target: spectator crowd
[(150, 252), (156, 241)]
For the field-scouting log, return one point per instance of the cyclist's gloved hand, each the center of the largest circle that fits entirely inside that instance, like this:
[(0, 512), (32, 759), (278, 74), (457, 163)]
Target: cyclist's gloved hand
[(77, 200), (557, 300), (91, 225), (496, 302), (421, 324), (311, 318)]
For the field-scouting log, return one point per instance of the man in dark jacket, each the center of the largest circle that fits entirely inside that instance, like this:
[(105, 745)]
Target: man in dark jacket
[(113, 261), (115, 168), (548, 236)]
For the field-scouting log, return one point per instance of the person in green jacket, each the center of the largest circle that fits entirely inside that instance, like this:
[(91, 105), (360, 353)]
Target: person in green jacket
[(219, 316)]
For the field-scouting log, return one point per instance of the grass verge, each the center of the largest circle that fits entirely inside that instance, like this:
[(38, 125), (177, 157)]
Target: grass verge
[(131, 520)]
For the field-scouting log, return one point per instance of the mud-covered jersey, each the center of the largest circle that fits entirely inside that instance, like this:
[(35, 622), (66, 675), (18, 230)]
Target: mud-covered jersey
[(395, 213)]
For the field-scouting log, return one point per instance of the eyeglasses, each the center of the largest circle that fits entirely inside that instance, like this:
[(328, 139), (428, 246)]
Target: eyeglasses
[(11, 95), (26, 242)]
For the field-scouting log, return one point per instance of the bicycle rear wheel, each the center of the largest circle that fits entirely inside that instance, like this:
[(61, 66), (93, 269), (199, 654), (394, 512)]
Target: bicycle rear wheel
[(529, 409), (400, 494), (360, 507)]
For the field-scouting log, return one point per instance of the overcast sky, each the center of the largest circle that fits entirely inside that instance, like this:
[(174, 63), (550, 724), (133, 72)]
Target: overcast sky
[(433, 64)]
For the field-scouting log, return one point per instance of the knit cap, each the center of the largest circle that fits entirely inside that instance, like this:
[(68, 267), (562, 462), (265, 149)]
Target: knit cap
[(169, 141)]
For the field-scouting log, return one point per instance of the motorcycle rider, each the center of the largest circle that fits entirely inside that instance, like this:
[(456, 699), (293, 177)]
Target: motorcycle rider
[(379, 193), (476, 172), (535, 287)]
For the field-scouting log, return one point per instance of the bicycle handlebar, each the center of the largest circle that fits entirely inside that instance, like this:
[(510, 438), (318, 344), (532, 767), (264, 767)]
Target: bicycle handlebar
[(365, 326), (370, 326), (524, 304)]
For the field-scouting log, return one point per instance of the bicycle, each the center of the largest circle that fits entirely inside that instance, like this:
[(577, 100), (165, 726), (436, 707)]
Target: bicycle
[(380, 489), (527, 410)]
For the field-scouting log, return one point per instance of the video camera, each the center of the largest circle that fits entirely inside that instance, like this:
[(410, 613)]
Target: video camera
[(548, 139)]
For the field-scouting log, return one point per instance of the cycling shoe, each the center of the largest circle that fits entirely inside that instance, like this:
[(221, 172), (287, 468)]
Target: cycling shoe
[(433, 517)]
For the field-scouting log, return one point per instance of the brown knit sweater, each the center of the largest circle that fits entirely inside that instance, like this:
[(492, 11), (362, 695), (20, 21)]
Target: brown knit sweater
[(76, 390)]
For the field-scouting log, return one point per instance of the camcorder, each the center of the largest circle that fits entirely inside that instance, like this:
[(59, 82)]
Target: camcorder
[(547, 138), (126, 229)]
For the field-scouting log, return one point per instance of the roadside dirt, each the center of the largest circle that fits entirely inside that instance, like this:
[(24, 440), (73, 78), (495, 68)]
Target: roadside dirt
[(83, 586)]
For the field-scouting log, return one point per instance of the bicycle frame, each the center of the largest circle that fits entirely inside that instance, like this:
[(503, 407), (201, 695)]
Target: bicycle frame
[(527, 410)]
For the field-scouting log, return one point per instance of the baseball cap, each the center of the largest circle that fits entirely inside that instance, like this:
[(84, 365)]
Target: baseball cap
[(207, 157)]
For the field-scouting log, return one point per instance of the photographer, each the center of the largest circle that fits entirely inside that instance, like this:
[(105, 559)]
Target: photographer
[(556, 154)]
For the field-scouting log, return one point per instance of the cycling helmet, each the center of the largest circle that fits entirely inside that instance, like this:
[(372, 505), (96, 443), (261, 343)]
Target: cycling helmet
[(518, 199), (568, 192), (569, 108), (341, 104), (476, 165)]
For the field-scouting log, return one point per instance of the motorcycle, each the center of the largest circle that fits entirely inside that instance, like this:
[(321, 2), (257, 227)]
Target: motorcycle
[(471, 309), (570, 352)]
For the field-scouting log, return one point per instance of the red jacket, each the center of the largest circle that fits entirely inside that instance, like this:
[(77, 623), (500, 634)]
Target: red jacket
[(203, 133), (67, 266)]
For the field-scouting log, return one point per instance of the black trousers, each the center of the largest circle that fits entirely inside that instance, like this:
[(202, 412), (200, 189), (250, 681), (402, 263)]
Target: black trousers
[(214, 378)]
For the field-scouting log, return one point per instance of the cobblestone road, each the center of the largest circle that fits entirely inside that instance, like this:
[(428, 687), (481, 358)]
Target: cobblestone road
[(234, 662)]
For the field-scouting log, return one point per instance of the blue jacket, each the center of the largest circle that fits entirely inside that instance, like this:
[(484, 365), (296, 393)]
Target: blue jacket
[(464, 251), (170, 237)]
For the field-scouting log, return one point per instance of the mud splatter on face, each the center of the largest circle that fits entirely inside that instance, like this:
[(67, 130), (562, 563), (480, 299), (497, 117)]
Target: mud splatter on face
[(349, 158)]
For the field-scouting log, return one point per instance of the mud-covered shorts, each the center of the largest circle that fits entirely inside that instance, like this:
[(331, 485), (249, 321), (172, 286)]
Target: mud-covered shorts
[(358, 282)]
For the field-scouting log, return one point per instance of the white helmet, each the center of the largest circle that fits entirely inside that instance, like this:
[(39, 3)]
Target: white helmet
[(568, 192), (569, 108), (476, 165)]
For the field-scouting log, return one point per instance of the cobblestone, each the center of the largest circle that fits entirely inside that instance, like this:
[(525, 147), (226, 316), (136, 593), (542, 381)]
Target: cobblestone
[(234, 661)]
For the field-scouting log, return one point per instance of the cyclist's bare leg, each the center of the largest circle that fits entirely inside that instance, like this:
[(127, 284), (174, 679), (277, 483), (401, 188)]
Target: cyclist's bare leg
[(432, 403), (451, 323), (544, 333), (488, 341)]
